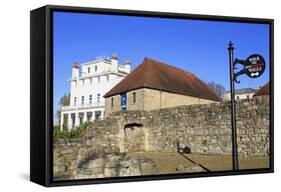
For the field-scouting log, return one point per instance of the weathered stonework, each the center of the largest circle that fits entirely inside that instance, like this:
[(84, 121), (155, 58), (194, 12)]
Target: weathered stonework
[(205, 129), (77, 160), (151, 99)]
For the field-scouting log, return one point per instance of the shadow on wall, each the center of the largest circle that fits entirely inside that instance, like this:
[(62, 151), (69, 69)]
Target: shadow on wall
[(183, 149), (132, 125)]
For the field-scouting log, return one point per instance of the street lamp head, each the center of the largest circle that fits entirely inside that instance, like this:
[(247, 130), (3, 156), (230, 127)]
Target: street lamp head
[(230, 45)]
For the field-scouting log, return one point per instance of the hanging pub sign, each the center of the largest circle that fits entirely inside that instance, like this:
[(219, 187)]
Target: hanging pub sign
[(254, 66)]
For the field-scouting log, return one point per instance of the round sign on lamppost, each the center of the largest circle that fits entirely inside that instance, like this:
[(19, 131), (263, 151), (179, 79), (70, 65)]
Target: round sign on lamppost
[(255, 66)]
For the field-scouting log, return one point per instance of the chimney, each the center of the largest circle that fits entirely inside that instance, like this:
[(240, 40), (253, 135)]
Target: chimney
[(128, 66), (75, 71), (114, 63)]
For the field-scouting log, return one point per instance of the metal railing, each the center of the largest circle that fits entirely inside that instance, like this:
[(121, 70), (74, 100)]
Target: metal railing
[(82, 106)]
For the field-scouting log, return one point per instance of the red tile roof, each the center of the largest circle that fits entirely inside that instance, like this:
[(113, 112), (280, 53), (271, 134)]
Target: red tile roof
[(263, 90), (160, 76)]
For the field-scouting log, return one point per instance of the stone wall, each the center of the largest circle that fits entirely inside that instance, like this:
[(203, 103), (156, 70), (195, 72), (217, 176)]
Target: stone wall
[(150, 99), (136, 134), (155, 99), (79, 160), (104, 133), (205, 129), (112, 104)]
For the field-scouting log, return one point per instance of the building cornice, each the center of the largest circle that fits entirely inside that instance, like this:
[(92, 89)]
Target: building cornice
[(99, 75)]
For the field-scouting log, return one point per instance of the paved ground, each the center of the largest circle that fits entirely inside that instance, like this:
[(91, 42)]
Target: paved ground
[(169, 162)]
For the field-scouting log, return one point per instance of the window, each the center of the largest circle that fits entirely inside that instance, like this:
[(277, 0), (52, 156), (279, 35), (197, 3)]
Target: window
[(248, 96), (237, 97), (98, 79), (134, 97), (90, 99), (112, 102), (96, 68), (98, 98), (89, 69), (124, 101), (91, 80), (82, 100), (74, 100), (83, 81), (107, 78)]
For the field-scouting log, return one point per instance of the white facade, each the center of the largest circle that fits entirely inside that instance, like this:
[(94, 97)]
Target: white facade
[(89, 83), (246, 93)]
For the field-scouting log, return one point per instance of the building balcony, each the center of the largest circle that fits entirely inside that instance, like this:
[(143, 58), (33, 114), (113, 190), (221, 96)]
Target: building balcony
[(83, 106)]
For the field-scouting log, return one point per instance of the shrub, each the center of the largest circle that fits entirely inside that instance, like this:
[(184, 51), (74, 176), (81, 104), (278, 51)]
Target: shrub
[(76, 132)]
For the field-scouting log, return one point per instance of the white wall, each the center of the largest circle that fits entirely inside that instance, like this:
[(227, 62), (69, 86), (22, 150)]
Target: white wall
[(14, 142), (99, 84), (227, 96)]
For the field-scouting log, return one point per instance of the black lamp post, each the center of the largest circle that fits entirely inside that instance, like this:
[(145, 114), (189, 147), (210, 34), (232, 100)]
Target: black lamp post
[(233, 108)]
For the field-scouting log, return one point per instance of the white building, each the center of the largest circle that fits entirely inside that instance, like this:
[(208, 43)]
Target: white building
[(245, 93), (88, 84)]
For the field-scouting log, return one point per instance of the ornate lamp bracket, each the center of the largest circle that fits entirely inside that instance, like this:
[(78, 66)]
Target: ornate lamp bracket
[(242, 71)]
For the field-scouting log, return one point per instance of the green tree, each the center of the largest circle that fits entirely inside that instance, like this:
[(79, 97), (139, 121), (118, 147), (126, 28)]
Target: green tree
[(64, 101)]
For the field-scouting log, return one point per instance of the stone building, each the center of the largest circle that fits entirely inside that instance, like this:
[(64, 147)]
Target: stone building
[(156, 85), (88, 83), (263, 91), (244, 93)]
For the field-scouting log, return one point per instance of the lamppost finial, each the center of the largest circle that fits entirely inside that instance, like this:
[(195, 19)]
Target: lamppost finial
[(230, 45)]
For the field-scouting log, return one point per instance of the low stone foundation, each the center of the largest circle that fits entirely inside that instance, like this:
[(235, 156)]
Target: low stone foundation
[(75, 160)]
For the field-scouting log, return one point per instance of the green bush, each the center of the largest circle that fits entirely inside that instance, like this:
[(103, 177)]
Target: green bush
[(76, 132)]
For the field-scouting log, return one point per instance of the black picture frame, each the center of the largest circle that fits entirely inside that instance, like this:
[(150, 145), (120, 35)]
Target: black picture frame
[(41, 93)]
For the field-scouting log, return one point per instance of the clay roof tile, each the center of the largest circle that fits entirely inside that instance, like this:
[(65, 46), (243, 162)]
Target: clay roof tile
[(264, 90), (160, 76)]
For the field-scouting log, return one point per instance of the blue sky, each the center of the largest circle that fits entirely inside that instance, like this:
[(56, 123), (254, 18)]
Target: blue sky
[(196, 46)]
